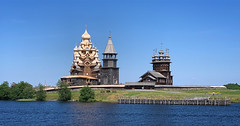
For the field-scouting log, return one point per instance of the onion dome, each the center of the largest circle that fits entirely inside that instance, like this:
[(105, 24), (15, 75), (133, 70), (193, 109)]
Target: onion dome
[(161, 52), (155, 55), (77, 55), (75, 49), (75, 61), (87, 48), (86, 35), (79, 48)]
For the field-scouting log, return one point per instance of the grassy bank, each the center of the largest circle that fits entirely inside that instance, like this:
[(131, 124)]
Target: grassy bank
[(26, 100), (234, 95)]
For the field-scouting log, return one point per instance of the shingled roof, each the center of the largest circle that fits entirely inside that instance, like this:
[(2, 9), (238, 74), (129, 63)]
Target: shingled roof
[(109, 48), (155, 74)]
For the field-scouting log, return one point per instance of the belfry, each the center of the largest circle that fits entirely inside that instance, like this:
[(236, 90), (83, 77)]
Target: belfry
[(109, 71)]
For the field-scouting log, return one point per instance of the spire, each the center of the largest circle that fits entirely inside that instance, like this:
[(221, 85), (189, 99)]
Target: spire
[(155, 52), (161, 52), (167, 53), (109, 48), (109, 37), (161, 45)]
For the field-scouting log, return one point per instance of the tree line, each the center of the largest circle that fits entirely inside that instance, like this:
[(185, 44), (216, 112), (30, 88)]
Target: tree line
[(21, 90), (24, 90), (233, 86)]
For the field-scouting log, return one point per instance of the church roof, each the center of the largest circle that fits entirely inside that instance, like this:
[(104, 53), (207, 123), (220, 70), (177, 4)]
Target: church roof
[(109, 48), (155, 74), (80, 76)]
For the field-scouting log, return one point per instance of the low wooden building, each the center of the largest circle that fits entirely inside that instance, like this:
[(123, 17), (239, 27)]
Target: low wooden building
[(153, 76), (76, 80)]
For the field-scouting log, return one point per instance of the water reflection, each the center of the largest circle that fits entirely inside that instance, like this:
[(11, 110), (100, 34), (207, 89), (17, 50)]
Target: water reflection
[(112, 114)]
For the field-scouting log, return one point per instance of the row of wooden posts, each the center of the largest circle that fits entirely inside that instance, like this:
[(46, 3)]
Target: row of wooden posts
[(133, 100)]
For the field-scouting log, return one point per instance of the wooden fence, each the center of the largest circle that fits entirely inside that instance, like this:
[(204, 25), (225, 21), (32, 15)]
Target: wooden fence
[(215, 102)]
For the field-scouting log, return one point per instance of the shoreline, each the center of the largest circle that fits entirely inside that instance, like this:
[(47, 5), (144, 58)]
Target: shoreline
[(109, 102), (112, 95)]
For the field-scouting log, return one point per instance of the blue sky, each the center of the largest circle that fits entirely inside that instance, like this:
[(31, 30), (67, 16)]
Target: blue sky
[(37, 37)]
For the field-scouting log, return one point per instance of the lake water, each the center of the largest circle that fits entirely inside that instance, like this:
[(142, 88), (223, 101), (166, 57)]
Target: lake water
[(103, 114)]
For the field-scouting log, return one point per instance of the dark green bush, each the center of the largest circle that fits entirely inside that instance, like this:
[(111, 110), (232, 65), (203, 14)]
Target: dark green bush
[(22, 90), (86, 95), (40, 93), (4, 91), (64, 93), (232, 86)]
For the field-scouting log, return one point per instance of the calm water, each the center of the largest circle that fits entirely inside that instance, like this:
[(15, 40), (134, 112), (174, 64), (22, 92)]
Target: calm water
[(102, 114)]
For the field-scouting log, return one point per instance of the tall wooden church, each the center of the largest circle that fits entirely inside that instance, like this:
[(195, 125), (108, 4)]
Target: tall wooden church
[(86, 67), (161, 73)]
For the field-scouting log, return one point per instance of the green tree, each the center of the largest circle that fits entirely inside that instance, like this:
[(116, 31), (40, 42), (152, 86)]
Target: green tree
[(22, 90), (64, 93), (233, 86), (4, 91), (28, 93), (86, 95), (40, 93), (14, 92)]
